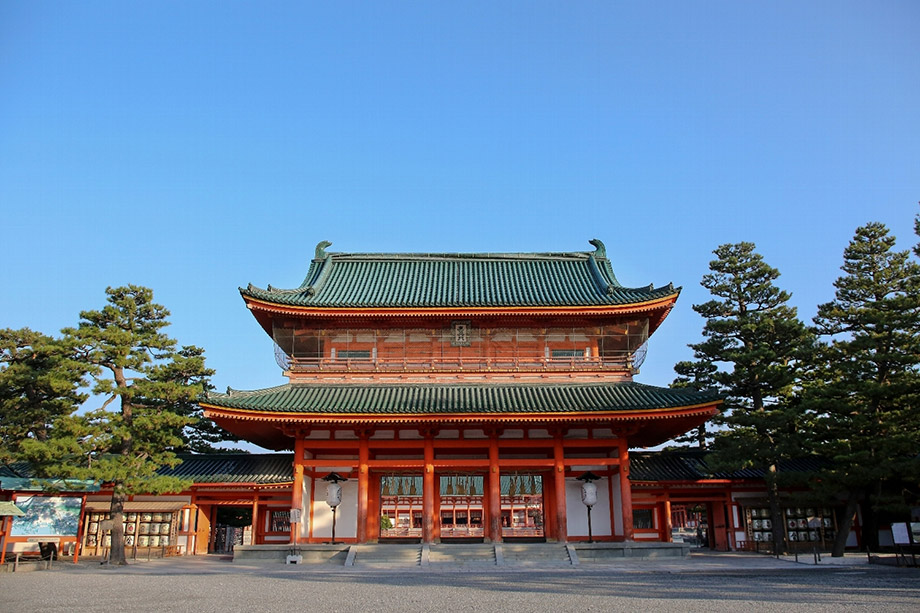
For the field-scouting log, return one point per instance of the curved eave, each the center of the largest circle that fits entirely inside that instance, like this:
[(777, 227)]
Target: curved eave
[(264, 310), (647, 427)]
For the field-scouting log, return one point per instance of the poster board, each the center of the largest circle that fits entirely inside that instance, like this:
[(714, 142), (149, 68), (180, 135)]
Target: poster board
[(900, 534), (47, 516)]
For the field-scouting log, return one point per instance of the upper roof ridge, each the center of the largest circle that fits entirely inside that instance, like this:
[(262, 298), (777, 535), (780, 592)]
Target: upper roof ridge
[(321, 254), (444, 279)]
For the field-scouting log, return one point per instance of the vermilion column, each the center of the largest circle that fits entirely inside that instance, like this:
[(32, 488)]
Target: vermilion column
[(428, 490), (625, 489), (363, 456), (495, 492), (562, 533), (297, 502), (297, 490), (667, 517), (255, 519)]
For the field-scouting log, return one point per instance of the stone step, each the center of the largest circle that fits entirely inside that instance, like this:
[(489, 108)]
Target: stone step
[(389, 554), (521, 554), (462, 554)]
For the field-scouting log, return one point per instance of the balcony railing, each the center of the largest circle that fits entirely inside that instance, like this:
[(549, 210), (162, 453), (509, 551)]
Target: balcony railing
[(625, 362)]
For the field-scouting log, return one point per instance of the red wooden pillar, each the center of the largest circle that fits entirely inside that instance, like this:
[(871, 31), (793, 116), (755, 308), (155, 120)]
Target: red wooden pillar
[(495, 491), (313, 476), (80, 528), (4, 529), (562, 533), (297, 491), (428, 481), (625, 489), (667, 517), (363, 457), (255, 519)]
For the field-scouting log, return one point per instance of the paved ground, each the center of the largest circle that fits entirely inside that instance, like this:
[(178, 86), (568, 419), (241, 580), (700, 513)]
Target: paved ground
[(710, 582)]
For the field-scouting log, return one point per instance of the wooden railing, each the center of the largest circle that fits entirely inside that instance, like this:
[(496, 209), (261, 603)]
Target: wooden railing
[(474, 364)]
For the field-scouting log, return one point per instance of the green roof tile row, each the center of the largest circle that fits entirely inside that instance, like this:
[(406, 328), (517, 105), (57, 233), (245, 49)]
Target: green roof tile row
[(692, 465), (435, 399), (366, 280), (262, 468)]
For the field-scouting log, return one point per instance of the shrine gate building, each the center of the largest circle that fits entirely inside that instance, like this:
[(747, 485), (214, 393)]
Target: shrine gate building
[(460, 395)]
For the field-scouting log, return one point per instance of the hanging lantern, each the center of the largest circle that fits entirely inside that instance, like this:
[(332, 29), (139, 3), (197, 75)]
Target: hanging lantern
[(589, 496), (333, 494), (333, 489), (588, 489)]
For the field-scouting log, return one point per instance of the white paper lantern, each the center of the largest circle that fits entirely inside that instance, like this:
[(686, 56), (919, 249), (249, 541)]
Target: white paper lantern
[(589, 494), (333, 494)]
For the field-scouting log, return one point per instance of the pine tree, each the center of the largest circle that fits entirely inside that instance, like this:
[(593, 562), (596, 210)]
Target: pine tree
[(697, 375), (139, 376), (187, 369), (39, 382), (754, 338), (866, 381)]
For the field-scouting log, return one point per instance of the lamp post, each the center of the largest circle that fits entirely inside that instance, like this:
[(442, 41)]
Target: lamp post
[(333, 495), (589, 496)]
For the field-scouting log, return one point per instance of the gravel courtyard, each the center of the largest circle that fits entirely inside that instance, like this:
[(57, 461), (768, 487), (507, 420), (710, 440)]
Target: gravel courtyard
[(207, 584)]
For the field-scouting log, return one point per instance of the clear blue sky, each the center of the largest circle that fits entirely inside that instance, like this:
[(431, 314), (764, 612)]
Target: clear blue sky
[(195, 147)]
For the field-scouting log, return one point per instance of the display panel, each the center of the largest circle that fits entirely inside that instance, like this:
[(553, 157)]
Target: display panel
[(47, 516)]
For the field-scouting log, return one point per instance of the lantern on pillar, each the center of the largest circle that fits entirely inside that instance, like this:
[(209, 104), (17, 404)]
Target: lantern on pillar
[(589, 496), (333, 495)]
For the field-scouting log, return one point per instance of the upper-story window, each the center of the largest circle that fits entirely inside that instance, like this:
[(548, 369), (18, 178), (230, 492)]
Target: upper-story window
[(568, 353), (352, 354), (461, 345)]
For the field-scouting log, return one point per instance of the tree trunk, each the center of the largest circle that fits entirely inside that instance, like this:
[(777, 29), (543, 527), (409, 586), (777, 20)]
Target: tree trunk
[(776, 511), (843, 527), (116, 511), (869, 526)]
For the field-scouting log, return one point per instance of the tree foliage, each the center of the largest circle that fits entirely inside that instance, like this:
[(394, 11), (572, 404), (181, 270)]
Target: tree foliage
[(139, 376), (751, 348), (864, 393), (39, 382), (697, 375), (187, 369)]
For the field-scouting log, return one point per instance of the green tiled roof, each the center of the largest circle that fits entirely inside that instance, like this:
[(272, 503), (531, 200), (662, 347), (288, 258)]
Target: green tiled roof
[(439, 280), (259, 468), (452, 399), (692, 465)]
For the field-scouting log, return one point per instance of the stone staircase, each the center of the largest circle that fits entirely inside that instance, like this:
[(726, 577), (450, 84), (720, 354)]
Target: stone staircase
[(535, 554), (388, 555), (462, 555)]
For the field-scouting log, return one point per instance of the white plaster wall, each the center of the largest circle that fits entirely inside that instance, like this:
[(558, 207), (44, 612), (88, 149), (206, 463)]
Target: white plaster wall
[(577, 512), (346, 523)]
